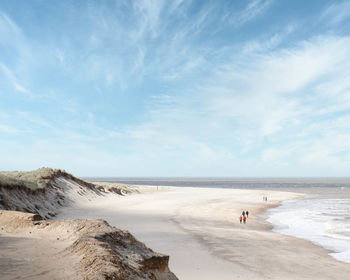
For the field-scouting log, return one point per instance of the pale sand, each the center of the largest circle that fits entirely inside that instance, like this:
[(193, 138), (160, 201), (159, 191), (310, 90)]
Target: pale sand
[(29, 252), (199, 229), (74, 249)]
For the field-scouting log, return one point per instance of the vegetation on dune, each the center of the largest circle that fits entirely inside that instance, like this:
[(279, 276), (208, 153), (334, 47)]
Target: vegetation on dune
[(44, 191), (37, 179), (41, 178), (118, 188), (33, 180)]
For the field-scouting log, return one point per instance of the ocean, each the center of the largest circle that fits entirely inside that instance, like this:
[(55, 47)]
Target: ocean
[(322, 217)]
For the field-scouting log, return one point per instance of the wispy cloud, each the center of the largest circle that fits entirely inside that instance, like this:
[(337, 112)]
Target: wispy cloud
[(8, 28), (13, 79), (253, 9), (149, 13), (272, 96), (337, 12), (8, 129), (193, 87)]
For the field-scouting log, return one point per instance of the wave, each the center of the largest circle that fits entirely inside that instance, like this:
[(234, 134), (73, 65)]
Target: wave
[(323, 221)]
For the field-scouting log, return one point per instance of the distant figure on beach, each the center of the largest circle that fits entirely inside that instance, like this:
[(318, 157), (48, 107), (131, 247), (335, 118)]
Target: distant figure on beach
[(244, 219), (247, 213), (240, 219), (243, 213), (265, 198)]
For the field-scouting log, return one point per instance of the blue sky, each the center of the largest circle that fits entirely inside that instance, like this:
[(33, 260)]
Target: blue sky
[(176, 88)]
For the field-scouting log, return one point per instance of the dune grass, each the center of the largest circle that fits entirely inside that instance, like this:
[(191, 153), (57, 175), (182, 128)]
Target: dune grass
[(37, 179), (113, 187), (40, 178)]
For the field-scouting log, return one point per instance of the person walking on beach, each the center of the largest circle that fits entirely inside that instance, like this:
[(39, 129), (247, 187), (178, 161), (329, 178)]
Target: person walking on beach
[(247, 213), (243, 213), (240, 219), (244, 219)]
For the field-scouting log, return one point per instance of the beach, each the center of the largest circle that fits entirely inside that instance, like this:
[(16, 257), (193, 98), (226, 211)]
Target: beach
[(199, 229), (88, 230)]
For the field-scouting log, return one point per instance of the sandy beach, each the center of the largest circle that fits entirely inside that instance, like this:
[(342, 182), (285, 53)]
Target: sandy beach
[(200, 231), (195, 232)]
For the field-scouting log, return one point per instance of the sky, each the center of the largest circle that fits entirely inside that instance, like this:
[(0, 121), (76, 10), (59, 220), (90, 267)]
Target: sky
[(232, 88)]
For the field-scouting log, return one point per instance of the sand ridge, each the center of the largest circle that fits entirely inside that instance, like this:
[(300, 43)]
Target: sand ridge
[(74, 249)]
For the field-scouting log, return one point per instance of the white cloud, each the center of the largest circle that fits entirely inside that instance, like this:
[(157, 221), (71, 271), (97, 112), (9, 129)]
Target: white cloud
[(275, 96), (149, 13), (8, 129), (8, 29), (60, 56), (13, 79), (255, 104), (269, 91), (276, 155), (177, 4), (336, 13), (253, 9)]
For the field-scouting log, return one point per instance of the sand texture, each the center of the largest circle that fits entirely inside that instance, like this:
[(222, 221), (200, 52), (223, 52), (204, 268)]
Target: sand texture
[(197, 227), (67, 249), (31, 248), (200, 231)]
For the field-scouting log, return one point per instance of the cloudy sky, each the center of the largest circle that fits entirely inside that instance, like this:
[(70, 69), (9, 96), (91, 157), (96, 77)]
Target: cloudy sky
[(176, 88)]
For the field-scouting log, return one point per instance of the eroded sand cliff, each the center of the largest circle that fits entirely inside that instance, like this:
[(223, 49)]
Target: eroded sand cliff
[(33, 247)]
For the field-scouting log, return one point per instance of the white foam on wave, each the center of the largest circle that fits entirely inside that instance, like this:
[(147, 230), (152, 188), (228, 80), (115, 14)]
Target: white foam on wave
[(325, 222)]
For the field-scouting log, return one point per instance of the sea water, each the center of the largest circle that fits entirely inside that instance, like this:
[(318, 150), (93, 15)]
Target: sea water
[(323, 216), (323, 221)]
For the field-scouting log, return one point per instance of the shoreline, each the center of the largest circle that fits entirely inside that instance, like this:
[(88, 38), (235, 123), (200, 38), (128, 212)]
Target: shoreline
[(199, 229), (336, 247)]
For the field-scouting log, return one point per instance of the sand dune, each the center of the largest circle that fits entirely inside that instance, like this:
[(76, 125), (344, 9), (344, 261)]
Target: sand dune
[(74, 249), (46, 191), (33, 248)]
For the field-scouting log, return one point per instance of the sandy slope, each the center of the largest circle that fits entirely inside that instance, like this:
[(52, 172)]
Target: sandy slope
[(28, 252), (200, 231), (31, 248), (67, 249), (45, 191)]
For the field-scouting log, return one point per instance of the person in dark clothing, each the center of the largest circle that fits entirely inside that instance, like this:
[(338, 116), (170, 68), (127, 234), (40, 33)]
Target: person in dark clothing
[(243, 213), (247, 213)]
